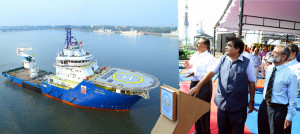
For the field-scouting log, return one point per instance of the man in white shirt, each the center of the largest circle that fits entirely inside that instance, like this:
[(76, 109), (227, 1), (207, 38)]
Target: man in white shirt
[(256, 61), (263, 55), (293, 64), (199, 64)]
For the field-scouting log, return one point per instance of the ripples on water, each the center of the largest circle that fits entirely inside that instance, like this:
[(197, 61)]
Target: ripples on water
[(25, 111)]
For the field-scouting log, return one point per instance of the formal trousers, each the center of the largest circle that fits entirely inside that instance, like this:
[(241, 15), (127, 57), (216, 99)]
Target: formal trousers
[(256, 71), (231, 122), (271, 119), (202, 125)]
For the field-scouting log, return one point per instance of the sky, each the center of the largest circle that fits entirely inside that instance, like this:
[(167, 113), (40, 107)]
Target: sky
[(206, 11), (89, 12)]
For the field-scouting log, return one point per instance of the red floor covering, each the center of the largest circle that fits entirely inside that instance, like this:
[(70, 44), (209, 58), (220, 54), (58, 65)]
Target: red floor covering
[(185, 87)]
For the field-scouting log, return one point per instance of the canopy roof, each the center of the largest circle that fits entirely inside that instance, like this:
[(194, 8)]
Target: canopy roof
[(277, 16)]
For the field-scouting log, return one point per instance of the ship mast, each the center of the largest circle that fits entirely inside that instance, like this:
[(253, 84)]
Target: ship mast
[(68, 37), (73, 63)]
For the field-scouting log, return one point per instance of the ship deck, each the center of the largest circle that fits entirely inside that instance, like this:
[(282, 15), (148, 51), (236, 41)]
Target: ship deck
[(117, 80), (24, 74)]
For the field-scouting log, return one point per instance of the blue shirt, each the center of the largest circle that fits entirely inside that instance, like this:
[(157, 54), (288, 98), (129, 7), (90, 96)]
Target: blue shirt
[(250, 68), (256, 60), (284, 87), (294, 65), (232, 90)]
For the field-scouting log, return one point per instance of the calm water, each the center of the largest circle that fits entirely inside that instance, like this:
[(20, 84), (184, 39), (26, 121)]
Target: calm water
[(25, 111)]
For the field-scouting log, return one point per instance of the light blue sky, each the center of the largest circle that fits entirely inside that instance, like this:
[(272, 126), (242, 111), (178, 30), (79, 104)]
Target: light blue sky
[(89, 12)]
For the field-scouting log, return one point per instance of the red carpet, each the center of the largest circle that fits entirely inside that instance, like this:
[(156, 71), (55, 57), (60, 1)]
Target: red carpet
[(185, 87)]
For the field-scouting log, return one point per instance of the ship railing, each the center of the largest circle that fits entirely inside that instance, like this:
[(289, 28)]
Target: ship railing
[(45, 72), (142, 91), (61, 86), (91, 63), (12, 70), (95, 76), (64, 65), (63, 55)]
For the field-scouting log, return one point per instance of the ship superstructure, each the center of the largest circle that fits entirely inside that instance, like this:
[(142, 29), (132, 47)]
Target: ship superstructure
[(79, 81), (73, 64)]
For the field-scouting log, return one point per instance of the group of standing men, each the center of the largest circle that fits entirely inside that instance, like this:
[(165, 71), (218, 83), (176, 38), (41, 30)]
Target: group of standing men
[(236, 78)]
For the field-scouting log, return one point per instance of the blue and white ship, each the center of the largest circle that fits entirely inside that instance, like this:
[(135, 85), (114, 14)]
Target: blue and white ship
[(78, 80)]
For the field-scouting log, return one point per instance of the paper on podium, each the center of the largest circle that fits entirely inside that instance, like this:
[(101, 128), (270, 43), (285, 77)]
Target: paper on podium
[(189, 110)]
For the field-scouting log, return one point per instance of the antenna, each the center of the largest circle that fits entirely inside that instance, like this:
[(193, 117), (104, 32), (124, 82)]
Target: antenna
[(68, 36)]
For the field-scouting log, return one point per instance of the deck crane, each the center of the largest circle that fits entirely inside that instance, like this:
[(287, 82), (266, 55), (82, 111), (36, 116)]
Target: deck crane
[(28, 61)]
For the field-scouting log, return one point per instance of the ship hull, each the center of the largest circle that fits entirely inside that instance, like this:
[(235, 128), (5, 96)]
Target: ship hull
[(93, 97)]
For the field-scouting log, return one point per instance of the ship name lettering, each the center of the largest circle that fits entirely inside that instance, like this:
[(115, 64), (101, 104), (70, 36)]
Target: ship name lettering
[(109, 74)]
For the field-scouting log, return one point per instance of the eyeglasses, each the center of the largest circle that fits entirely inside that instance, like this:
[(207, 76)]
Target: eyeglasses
[(276, 52)]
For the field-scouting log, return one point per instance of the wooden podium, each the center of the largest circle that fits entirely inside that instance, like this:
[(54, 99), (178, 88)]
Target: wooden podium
[(188, 110)]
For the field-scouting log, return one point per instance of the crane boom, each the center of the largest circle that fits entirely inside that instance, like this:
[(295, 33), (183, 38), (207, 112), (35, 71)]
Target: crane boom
[(21, 53), (28, 61)]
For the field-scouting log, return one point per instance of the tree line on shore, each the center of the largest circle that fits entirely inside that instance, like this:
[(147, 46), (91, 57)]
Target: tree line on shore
[(148, 29)]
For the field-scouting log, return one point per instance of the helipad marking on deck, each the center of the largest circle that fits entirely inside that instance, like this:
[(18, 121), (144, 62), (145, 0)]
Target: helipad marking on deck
[(125, 76), (128, 77)]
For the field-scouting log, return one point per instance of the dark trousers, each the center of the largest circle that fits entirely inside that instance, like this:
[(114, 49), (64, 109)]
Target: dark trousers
[(271, 119), (202, 125), (231, 122)]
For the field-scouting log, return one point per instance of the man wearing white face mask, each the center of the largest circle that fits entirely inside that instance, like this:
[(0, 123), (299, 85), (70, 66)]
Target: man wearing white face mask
[(280, 99)]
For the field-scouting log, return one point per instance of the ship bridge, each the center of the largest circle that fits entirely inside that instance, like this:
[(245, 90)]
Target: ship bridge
[(73, 63)]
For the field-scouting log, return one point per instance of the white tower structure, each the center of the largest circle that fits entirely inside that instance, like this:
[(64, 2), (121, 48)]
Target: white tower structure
[(200, 31), (186, 24)]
